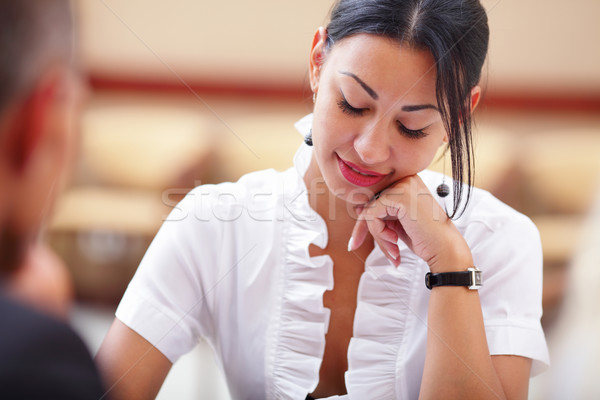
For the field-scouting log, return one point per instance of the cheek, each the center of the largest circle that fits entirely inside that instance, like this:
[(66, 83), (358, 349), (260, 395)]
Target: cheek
[(428, 149), (414, 159), (331, 128), (427, 155)]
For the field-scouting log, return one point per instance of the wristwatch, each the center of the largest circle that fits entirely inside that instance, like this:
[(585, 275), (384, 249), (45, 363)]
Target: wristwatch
[(471, 278)]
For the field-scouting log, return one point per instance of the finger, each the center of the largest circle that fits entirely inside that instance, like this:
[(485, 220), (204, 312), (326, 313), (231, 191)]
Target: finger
[(383, 229), (388, 234), (390, 250), (392, 243), (385, 237), (397, 227), (373, 219), (359, 209), (359, 233)]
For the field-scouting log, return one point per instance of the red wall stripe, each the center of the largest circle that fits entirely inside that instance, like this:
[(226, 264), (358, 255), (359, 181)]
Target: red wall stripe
[(526, 100)]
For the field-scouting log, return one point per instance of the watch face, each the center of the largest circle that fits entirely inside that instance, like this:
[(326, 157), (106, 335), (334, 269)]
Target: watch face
[(478, 279)]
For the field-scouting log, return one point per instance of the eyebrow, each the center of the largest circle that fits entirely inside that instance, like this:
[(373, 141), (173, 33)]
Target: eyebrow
[(375, 96), (367, 88), (419, 107)]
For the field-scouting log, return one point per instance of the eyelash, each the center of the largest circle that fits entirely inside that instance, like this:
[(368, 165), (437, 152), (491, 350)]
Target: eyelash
[(348, 109), (410, 133)]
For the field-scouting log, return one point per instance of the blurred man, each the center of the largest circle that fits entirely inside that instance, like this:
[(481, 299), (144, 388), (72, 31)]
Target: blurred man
[(40, 356)]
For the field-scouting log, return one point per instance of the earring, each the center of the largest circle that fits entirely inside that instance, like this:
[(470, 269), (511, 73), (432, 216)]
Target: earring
[(314, 97), (443, 190), (308, 138)]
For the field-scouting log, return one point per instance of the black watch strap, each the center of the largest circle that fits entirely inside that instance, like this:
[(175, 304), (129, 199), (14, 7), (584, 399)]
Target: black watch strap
[(471, 278)]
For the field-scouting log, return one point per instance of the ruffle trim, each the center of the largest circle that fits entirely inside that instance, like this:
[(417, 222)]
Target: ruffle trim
[(379, 327), (301, 321)]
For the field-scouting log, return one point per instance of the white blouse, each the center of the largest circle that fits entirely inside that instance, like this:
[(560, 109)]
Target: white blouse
[(231, 265)]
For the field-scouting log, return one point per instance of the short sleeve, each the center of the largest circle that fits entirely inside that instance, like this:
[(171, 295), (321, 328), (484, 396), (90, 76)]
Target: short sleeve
[(168, 301), (509, 253)]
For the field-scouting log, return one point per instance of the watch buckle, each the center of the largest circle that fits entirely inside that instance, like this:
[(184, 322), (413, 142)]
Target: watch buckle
[(476, 278)]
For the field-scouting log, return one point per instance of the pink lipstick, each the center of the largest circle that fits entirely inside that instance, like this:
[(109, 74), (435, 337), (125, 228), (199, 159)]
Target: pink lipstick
[(358, 176)]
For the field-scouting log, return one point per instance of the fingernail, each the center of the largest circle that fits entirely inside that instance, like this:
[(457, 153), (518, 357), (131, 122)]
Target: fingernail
[(350, 243)]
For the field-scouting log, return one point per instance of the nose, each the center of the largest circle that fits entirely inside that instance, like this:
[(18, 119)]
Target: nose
[(372, 145)]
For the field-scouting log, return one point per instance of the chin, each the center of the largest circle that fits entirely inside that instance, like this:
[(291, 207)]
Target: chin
[(354, 195)]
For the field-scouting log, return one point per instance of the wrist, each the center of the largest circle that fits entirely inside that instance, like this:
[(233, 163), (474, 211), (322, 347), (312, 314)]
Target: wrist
[(448, 263), (454, 256), (453, 253)]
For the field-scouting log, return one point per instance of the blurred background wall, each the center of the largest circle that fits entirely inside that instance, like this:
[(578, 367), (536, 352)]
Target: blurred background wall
[(544, 46), (187, 92)]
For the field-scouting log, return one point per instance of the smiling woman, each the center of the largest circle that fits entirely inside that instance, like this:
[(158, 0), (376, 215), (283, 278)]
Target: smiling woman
[(344, 276), (383, 121)]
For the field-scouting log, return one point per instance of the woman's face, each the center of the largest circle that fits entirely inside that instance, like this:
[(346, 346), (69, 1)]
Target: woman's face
[(376, 119)]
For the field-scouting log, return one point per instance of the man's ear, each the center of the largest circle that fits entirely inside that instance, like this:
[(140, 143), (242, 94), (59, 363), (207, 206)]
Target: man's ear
[(317, 57), (475, 97), (28, 123)]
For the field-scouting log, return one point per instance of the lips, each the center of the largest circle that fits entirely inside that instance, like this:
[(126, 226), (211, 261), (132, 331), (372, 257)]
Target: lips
[(358, 176)]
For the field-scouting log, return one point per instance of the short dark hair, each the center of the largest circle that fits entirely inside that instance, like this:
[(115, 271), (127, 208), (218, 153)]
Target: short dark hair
[(456, 33), (33, 35)]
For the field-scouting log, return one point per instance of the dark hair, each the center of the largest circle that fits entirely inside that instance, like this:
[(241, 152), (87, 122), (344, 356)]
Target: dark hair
[(33, 35), (456, 33)]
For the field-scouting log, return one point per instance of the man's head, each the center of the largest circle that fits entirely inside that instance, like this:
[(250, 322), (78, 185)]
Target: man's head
[(38, 114)]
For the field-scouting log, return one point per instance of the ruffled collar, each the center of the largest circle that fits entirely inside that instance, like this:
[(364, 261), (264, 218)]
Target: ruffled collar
[(296, 341)]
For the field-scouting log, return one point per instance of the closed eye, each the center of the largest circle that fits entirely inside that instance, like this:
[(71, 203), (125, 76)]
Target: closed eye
[(412, 134), (348, 109)]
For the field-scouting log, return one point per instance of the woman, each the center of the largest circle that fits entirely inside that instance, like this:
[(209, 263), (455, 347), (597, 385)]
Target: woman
[(310, 282)]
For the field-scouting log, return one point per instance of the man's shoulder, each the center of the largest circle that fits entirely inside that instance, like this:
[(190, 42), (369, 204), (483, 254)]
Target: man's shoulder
[(22, 327), (42, 357)]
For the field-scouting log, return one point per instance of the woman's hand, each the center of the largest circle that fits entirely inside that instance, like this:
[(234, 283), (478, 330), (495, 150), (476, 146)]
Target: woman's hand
[(407, 211)]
